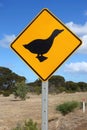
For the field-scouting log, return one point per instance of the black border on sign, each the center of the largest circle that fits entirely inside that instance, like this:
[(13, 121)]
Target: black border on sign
[(62, 61)]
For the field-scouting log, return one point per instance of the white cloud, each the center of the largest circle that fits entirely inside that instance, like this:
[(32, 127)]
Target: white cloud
[(78, 67), (80, 30), (83, 48), (6, 40)]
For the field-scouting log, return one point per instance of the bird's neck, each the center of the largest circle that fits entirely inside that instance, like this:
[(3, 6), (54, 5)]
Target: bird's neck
[(51, 38)]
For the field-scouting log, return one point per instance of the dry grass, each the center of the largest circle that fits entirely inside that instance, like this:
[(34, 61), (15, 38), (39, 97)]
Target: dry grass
[(14, 111)]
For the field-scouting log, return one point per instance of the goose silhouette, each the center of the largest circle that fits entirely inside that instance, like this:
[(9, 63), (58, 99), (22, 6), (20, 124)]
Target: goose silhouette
[(42, 46)]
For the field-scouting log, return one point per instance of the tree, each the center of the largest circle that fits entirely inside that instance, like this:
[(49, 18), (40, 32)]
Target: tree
[(82, 86), (71, 86), (35, 86), (20, 90), (8, 78), (56, 82)]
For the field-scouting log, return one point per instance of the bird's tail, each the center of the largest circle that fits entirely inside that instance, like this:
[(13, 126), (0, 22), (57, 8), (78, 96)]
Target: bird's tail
[(25, 46)]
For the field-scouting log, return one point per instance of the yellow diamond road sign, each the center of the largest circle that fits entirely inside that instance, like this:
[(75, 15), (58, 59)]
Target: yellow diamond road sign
[(45, 44)]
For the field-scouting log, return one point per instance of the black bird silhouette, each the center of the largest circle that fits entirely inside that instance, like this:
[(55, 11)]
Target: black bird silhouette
[(42, 46)]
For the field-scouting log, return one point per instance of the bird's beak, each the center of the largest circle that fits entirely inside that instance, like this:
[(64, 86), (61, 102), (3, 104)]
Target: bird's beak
[(61, 30)]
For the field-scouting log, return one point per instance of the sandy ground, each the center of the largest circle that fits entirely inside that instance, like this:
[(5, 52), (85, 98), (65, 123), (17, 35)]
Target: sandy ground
[(13, 112)]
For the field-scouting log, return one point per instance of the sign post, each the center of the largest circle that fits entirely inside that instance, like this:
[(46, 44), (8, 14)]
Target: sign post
[(44, 45), (45, 105)]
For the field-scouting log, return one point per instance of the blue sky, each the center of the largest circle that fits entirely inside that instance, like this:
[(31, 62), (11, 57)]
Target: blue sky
[(15, 15)]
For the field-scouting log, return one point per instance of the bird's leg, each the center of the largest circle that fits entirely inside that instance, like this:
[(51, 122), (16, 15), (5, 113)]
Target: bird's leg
[(41, 58), (38, 55), (42, 55)]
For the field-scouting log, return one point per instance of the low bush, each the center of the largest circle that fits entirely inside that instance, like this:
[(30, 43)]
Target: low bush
[(37, 90), (6, 93), (28, 125), (67, 107), (20, 90)]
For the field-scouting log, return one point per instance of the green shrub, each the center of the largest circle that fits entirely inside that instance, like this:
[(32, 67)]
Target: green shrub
[(20, 90), (6, 93), (29, 125), (1, 92), (17, 128), (37, 90), (67, 107), (61, 89)]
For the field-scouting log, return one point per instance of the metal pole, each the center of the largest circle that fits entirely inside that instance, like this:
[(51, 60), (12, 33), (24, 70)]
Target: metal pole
[(83, 106), (44, 105)]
